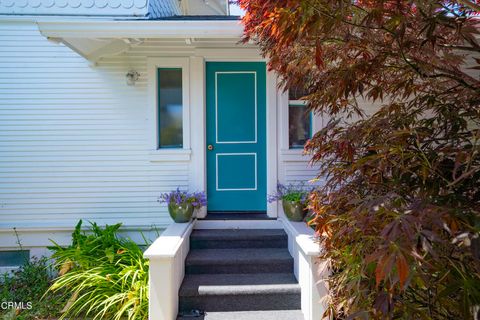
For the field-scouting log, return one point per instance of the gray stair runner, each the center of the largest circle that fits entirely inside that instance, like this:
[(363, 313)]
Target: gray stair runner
[(239, 274), (238, 238), (251, 315)]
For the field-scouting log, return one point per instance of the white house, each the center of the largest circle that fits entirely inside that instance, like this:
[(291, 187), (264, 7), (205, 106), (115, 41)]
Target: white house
[(105, 104)]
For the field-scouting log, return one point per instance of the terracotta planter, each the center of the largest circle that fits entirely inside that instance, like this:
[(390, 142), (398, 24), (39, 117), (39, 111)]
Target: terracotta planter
[(294, 210), (180, 213)]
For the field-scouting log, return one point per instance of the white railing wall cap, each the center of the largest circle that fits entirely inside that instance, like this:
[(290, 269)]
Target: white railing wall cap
[(304, 237), (308, 244), (169, 242)]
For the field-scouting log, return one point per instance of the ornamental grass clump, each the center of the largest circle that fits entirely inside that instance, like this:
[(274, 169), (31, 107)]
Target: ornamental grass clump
[(105, 276)]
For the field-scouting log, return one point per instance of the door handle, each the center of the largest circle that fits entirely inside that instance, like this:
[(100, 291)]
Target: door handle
[(210, 147)]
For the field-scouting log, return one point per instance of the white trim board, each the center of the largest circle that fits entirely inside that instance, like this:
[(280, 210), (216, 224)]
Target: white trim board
[(272, 140), (40, 238), (141, 29)]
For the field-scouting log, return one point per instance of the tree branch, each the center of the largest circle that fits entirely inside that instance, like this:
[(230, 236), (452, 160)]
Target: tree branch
[(470, 5), (464, 48)]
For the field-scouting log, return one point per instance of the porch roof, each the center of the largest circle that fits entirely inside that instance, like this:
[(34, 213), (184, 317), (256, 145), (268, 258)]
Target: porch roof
[(94, 39)]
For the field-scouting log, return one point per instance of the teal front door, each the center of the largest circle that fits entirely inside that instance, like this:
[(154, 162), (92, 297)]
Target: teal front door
[(236, 136)]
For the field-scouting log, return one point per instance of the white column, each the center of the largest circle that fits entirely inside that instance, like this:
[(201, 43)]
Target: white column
[(163, 300), (167, 269), (311, 272), (272, 142)]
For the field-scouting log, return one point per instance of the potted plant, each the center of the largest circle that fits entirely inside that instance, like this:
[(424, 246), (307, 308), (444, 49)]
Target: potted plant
[(182, 203), (294, 199)]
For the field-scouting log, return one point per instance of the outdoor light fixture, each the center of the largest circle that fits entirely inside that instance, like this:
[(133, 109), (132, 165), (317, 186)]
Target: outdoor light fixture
[(132, 77)]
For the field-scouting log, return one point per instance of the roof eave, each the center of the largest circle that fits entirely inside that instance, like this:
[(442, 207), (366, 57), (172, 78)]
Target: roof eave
[(142, 29)]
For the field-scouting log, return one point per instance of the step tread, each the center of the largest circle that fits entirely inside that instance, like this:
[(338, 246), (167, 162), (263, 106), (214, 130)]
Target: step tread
[(237, 256), (237, 234), (238, 284), (251, 315)]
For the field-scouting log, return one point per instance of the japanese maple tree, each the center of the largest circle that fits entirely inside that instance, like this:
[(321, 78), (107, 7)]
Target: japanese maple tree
[(399, 215)]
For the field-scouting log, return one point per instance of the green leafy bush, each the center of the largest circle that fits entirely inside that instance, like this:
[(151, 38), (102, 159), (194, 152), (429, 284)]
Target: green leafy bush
[(28, 284), (106, 276)]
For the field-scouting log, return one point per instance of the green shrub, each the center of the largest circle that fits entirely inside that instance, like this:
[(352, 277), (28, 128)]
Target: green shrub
[(106, 276), (28, 284)]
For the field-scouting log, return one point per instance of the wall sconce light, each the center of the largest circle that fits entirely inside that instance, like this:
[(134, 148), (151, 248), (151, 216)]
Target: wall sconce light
[(132, 76)]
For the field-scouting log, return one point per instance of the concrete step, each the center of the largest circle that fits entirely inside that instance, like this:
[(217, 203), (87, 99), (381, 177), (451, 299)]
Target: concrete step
[(239, 260), (238, 238), (239, 292), (250, 315)]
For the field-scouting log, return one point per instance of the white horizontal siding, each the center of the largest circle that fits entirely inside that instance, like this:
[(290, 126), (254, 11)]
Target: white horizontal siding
[(297, 171), (74, 138)]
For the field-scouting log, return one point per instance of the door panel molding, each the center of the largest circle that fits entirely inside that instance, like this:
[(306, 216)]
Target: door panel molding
[(255, 140), (254, 154)]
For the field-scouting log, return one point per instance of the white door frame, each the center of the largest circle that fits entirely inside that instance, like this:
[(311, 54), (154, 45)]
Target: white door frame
[(198, 162)]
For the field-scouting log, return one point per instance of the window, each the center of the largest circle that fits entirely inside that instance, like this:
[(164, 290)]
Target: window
[(299, 125), (14, 258), (170, 108), (299, 120)]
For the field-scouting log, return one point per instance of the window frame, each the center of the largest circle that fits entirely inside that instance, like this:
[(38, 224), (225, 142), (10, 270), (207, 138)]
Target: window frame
[(285, 152), (168, 154)]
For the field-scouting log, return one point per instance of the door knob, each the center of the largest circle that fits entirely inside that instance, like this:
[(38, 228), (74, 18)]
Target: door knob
[(210, 147)]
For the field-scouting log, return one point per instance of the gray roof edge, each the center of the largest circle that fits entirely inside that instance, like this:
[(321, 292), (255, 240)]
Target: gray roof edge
[(163, 8), (151, 9)]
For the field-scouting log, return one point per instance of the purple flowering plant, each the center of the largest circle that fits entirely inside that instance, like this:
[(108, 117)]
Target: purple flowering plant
[(291, 192), (197, 199)]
